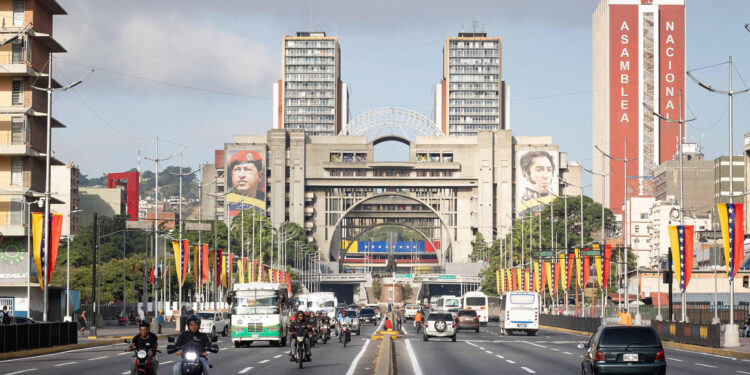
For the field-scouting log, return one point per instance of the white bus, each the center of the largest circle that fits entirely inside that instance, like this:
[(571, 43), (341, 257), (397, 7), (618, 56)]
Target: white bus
[(445, 303), (519, 311), (259, 313), (478, 302), (320, 301)]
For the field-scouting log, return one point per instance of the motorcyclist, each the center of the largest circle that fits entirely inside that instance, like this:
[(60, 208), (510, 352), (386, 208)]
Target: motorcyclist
[(343, 319), (147, 341), (325, 320), (417, 318), (300, 327), (193, 335)]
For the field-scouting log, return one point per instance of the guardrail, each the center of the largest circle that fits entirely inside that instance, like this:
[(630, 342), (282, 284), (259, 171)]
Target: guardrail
[(589, 325), (689, 333), (37, 335)]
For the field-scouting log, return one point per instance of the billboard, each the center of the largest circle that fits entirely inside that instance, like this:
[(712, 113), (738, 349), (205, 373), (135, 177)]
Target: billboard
[(246, 180), (536, 178), (14, 260)]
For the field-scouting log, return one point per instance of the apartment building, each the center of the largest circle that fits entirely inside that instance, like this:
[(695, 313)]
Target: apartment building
[(310, 94)]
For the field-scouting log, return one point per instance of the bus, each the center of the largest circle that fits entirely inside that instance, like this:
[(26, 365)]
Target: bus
[(320, 301), (259, 313), (445, 303), (519, 311), (477, 301)]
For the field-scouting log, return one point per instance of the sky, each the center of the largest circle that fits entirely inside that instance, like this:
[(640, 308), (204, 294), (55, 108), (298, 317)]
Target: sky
[(196, 72)]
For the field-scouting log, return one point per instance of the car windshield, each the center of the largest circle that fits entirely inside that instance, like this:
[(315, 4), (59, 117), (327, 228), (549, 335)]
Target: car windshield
[(367, 312), (206, 316), (434, 317), (621, 336), (521, 299), (412, 307), (467, 313), (256, 302), (327, 304), (351, 314)]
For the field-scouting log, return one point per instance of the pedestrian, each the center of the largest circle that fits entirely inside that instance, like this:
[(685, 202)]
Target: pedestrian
[(159, 319), (625, 318), (141, 315), (82, 321), (6, 318), (388, 325)]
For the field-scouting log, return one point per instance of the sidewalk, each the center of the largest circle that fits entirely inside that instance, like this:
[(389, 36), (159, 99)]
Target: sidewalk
[(110, 332)]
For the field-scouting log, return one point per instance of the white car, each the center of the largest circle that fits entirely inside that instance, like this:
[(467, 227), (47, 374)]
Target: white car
[(439, 324), (213, 323), (410, 310)]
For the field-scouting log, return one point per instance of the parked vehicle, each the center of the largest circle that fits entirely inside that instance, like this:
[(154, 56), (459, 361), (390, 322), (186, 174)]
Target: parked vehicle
[(439, 324), (623, 350), (467, 319), (259, 313), (367, 315), (213, 322), (519, 311)]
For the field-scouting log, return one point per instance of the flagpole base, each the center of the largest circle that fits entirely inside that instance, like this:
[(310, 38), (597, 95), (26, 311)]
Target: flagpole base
[(715, 320), (658, 318), (638, 318), (731, 336)]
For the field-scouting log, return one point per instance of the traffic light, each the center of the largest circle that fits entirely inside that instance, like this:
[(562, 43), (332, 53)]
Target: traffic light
[(745, 281)]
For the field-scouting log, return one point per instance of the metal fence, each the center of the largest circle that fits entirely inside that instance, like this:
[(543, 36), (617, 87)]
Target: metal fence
[(698, 314), (111, 312), (16, 337)]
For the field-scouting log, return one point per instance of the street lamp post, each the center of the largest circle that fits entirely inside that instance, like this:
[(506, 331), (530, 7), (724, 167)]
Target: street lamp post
[(603, 176)]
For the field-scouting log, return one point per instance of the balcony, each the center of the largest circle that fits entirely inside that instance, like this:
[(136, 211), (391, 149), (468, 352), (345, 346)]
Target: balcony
[(309, 225), (309, 211), (12, 218)]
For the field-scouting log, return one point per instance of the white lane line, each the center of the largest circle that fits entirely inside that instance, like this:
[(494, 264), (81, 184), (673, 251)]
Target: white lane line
[(530, 371), (353, 366), (499, 356), (412, 358), (481, 348), (244, 370), (94, 359), (123, 353), (531, 343), (164, 363), (126, 372), (675, 359), (555, 349), (64, 364), (509, 361), (568, 353), (488, 352), (741, 372), (472, 344), (705, 365), (58, 353), (708, 354), (27, 370), (264, 361), (278, 356)]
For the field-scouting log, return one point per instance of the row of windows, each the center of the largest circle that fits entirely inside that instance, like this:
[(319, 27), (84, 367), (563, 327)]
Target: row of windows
[(348, 173), (309, 111), (309, 85), (474, 78), (310, 69), (474, 119), (309, 77), (474, 53), (309, 94), (310, 102), (474, 103), (454, 129), (474, 94), (474, 111), (309, 52), (309, 61), (475, 69), (326, 128), (473, 86), (474, 61), (434, 157), (308, 119), (310, 44), (474, 44), (347, 157), (361, 172)]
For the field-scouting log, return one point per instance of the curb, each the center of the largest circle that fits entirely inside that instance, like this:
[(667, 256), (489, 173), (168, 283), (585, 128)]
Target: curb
[(384, 363), (672, 344), (63, 348)]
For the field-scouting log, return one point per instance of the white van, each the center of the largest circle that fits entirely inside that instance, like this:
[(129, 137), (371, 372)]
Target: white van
[(519, 311), (447, 303), (320, 301)]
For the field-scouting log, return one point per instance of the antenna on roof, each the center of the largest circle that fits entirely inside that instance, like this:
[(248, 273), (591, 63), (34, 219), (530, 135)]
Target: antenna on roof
[(474, 23), (311, 9)]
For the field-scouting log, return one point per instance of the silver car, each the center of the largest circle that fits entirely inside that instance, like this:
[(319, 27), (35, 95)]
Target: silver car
[(439, 324)]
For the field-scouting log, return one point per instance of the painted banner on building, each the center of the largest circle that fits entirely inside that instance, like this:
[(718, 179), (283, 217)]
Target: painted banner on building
[(246, 182), (536, 179)]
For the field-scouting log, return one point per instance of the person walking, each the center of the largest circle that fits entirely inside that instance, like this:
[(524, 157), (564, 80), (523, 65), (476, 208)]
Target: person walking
[(159, 320), (141, 315), (82, 321), (7, 319), (625, 318)]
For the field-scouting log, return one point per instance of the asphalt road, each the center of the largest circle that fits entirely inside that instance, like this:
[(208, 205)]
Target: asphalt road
[(550, 352), (328, 359)]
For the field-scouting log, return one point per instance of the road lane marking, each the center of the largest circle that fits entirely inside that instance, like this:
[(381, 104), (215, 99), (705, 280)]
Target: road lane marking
[(530, 371), (58, 353), (413, 358), (509, 361), (568, 353), (126, 372), (675, 359), (708, 354), (499, 356), (705, 365), (244, 370), (27, 370), (124, 354), (278, 356), (64, 364), (531, 343), (481, 348), (94, 359), (164, 363), (488, 352), (555, 349), (353, 366), (741, 372), (472, 344), (264, 361)]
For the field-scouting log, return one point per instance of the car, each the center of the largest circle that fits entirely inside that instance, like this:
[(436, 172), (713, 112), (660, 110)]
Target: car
[(367, 315), (410, 310), (354, 316), (623, 350), (467, 319), (213, 322), (378, 311), (439, 324)]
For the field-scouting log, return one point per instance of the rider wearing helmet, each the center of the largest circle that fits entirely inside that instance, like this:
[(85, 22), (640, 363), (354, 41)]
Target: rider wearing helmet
[(148, 341), (193, 334), (300, 328)]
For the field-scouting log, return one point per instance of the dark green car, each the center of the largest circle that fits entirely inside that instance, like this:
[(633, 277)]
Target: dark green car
[(623, 350)]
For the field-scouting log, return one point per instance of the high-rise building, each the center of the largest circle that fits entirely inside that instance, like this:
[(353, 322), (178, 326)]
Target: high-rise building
[(310, 94), (638, 57), (471, 96)]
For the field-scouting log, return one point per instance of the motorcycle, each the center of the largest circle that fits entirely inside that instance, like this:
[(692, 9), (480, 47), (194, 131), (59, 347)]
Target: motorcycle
[(143, 361), (418, 327), (326, 332), (191, 353), (346, 334)]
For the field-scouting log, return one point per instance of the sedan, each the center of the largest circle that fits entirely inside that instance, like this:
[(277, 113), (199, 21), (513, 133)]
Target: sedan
[(623, 350), (467, 319)]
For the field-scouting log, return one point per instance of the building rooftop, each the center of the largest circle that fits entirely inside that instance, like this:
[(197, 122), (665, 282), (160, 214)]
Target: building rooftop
[(472, 35), (311, 33)]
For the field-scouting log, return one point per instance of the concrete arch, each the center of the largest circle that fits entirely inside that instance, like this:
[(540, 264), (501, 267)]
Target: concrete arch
[(337, 227), (379, 122)]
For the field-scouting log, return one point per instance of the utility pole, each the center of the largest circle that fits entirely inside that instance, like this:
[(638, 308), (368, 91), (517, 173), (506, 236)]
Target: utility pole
[(94, 242), (681, 123), (731, 333)]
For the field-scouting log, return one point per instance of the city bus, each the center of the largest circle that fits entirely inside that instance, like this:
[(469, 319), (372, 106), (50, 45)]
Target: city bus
[(519, 311), (259, 313), (478, 302)]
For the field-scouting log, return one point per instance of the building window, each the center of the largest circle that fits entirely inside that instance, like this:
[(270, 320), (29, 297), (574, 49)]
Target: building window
[(17, 91), (348, 157), (361, 157), (17, 55), (421, 157), (17, 131), (335, 157), (16, 171), (448, 157), (18, 8)]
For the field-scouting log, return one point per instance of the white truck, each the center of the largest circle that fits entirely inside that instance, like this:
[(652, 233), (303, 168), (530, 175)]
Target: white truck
[(319, 301)]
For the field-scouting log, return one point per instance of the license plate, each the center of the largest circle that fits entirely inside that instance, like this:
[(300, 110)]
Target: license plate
[(630, 357), (522, 326)]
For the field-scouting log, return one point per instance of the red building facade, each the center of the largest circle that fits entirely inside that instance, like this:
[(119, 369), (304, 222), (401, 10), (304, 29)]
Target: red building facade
[(130, 181)]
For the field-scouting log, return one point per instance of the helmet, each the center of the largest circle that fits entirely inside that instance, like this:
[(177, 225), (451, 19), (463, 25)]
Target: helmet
[(194, 319), (307, 313), (325, 313)]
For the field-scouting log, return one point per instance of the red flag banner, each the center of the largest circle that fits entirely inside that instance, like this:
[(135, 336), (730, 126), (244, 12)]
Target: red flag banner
[(731, 218), (543, 277), (184, 261), (569, 274), (55, 230), (229, 270), (586, 270), (515, 279), (556, 278), (606, 259), (204, 264), (218, 266), (151, 279)]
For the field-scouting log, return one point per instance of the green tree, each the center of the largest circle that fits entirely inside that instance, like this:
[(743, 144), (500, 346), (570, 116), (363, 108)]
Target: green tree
[(406, 292)]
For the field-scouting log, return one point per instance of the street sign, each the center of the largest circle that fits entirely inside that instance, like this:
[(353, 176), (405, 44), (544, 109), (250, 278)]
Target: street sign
[(142, 225), (403, 276), (200, 227), (446, 277), (591, 253), (543, 254)]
